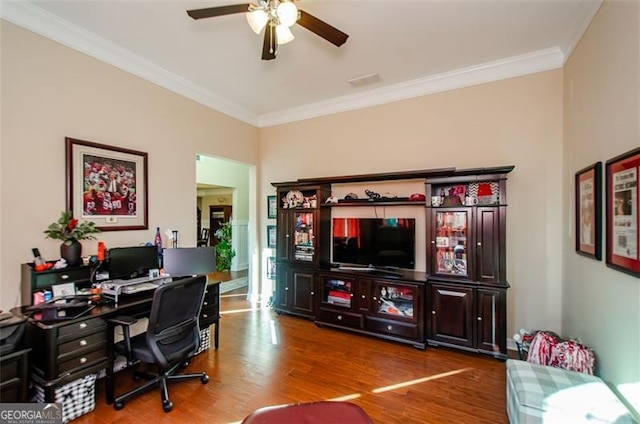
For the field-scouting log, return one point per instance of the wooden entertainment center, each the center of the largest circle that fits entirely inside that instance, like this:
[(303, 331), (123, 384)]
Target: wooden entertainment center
[(458, 301)]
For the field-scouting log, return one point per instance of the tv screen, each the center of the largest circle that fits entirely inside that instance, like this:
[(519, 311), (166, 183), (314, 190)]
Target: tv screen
[(187, 261), (132, 262), (375, 241)]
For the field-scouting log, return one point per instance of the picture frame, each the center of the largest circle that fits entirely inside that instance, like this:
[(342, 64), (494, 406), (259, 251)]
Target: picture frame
[(588, 211), (622, 201), (271, 268), (272, 207), (107, 185), (271, 236)]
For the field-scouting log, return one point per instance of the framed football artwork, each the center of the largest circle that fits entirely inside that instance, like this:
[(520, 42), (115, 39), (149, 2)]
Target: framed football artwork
[(622, 202), (588, 207), (107, 185)]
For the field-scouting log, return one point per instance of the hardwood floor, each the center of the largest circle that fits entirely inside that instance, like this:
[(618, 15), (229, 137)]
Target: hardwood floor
[(269, 359)]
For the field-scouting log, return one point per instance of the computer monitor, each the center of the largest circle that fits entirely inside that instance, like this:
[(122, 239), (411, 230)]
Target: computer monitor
[(132, 262), (187, 261)]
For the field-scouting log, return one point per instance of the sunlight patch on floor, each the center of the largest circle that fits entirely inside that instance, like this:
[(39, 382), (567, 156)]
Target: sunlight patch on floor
[(418, 381), (346, 398)]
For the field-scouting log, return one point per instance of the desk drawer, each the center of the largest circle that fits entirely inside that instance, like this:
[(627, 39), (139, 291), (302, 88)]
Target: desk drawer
[(342, 319), (46, 279), (82, 343), (79, 329), (82, 359), (394, 328)]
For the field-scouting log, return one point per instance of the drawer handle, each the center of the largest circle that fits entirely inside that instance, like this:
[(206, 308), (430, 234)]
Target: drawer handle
[(206, 303), (312, 293), (433, 312), (375, 298), (389, 328), (363, 296), (286, 288), (479, 318), (433, 242), (205, 316), (83, 360), (83, 342), (64, 277), (479, 244), (339, 317), (351, 294), (83, 325)]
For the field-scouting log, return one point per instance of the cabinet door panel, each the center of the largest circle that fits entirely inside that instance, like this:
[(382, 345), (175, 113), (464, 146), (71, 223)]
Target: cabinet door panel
[(451, 314), (303, 294), (450, 242), (283, 245), (487, 244), (282, 292), (491, 324)]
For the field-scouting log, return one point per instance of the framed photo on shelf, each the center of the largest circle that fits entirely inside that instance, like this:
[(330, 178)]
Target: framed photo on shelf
[(271, 236), (272, 207), (271, 268), (622, 212), (107, 185), (588, 204)]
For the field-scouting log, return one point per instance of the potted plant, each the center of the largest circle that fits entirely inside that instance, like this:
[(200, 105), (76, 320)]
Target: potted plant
[(224, 251), (71, 231)]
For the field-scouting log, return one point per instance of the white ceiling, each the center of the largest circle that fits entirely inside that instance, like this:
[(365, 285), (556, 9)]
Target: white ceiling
[(417, 47)]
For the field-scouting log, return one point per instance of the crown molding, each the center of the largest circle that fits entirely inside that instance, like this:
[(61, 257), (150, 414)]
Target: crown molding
[(41, 22), (48, 25), (515, 66)]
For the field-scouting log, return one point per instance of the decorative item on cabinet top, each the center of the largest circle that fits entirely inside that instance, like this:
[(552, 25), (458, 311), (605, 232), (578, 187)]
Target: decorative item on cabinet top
[(295, 199)]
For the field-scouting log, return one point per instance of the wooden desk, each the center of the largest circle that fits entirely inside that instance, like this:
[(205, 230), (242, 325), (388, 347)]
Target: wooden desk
[(64, 351)]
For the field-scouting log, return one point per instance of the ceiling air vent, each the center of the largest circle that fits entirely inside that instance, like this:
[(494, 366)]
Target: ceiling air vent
[(364, 80)]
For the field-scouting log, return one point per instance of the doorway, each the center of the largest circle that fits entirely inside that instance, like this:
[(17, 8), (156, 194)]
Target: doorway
[(218, 215)]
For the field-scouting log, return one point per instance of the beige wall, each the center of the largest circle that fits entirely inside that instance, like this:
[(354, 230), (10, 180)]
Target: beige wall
[(50, 92), (601, 98), (512, 122)]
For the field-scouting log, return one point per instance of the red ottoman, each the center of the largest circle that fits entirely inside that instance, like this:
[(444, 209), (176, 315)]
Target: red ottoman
[(325, 412)]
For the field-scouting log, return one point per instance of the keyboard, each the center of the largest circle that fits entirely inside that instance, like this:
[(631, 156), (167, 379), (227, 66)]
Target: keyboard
[(137, 288)]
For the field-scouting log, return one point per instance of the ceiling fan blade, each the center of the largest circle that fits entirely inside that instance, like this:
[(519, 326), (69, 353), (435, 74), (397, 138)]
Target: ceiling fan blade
[(211, 12), (323, 29), (269, 44)]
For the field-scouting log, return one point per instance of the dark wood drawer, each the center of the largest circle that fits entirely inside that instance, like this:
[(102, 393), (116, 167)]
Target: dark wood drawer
[(208, 316), (80, 329), (86, 342), (394, 328), (82, 359), (344, 319), (46, 279)]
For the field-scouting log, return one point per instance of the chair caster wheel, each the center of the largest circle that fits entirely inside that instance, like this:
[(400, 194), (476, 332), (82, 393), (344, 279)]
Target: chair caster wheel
[(118, 406), (204, 379), (167, 406)]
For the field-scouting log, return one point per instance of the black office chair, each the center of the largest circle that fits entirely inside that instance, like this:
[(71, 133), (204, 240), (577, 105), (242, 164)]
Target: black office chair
[(203, 240), (172, 337)]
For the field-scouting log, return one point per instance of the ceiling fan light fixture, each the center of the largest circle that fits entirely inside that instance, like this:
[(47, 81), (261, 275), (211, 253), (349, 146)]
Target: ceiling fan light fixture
[(257, 19), (283, 34), (287, 13)]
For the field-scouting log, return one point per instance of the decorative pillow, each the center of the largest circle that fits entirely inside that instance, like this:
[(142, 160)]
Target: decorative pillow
[(573, 356), (541, 348)]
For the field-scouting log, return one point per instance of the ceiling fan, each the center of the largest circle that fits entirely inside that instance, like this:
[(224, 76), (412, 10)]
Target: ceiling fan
[(275, 16)]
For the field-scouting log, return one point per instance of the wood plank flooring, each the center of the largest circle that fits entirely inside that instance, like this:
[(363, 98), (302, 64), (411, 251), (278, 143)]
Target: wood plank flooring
[(269, 359)]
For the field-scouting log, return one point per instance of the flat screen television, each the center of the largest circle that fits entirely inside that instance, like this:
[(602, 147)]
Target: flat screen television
[(132, 262), (379, 242)]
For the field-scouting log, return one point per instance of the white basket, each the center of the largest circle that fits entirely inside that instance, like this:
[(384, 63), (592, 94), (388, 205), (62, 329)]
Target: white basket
[(205, 340), (77, 398)]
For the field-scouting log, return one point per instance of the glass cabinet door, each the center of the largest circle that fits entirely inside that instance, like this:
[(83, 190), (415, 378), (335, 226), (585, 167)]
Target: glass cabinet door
[(303, 236), (451, 242), (395, 300), (337, 292)]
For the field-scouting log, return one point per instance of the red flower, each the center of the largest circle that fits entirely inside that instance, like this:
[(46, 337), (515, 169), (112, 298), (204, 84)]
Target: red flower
[(72, 224)]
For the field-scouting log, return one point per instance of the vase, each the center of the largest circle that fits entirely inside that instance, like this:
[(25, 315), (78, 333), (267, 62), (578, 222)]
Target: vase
[(71, 253)]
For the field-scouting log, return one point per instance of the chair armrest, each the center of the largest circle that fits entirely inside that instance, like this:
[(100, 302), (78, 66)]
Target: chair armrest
[(125, 322), (122, 320)]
